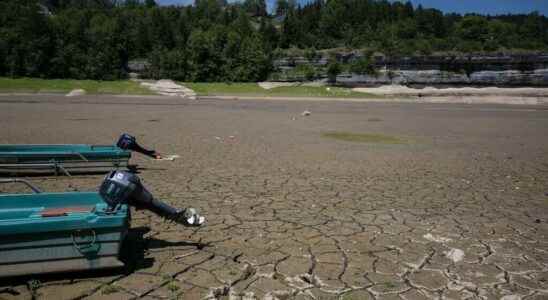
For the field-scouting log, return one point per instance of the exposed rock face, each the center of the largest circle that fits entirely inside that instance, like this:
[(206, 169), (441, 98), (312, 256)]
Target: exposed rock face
[(435, 77), (167, 87), (511, 77), (498, 70), (138, 65)]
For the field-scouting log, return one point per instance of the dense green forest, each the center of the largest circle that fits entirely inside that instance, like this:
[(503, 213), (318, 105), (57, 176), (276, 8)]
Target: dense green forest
[(213, 40)]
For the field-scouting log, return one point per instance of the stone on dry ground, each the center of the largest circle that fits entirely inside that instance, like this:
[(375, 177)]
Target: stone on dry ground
[(77, 92), (167, 87), (292, 215), (267, 85)]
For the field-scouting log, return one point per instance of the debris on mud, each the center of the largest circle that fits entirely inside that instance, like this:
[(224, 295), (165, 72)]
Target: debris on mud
[(170, 157), (437, 239), (306, 113), (511, 297), (455, 255)]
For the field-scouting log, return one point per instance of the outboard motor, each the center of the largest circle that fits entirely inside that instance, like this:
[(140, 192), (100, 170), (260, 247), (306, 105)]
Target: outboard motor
[(120, 187), (129, 142)]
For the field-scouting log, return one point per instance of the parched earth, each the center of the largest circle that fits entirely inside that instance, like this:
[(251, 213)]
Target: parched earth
[(457, 211)]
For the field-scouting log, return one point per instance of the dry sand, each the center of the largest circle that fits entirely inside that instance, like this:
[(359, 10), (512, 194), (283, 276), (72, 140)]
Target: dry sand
[(396, 90)]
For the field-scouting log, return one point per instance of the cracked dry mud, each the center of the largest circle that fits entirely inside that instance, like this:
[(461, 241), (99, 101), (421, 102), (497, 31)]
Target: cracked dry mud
[(460, 211)]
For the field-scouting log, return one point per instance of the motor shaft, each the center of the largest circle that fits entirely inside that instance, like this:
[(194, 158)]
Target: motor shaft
[(120, 187)]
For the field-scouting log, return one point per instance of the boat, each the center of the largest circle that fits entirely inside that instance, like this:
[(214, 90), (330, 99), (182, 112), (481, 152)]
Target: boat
[(44, 232), (62, 159)]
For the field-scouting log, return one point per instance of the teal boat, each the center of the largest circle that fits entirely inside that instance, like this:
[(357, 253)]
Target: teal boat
[(57, 232), (65, 159)]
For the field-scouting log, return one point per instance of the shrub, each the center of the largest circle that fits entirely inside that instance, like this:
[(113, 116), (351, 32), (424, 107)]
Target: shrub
[(362, 66), (333, 69), (306, 70)]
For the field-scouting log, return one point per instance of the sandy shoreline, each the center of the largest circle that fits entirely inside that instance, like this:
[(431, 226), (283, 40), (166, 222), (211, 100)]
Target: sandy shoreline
[(401, 90), (409, 99), (525, 96)]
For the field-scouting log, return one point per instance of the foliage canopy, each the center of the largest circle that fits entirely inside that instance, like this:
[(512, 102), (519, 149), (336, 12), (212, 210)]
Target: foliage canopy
[(213, 40)]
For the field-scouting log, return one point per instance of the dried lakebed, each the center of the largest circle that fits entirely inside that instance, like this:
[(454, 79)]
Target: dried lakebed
[(461, 212)]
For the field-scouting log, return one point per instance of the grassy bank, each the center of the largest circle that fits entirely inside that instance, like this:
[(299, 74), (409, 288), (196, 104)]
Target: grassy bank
[(253, 89), (35, 85)]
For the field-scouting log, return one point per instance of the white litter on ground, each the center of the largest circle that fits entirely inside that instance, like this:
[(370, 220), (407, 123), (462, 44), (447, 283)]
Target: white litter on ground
[(169, 157), (455, 255), (437, 239), (511, 297)]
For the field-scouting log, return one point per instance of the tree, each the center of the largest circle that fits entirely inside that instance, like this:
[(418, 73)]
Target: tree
[(106, 57), (333, 68), (207, 11), (160, 31), (408, 10), (406, 29), (250, 64), (290, 35), (533, 31), (171, 64), (501, 34), (216, 40), (284, 6), (242, 24), (332, 23), (533, 26), (26, 38), (150, 3), (307, 70), (362, 66), (311, 54), (131, 3), (205, 56), (256, 8), (269, 34), (472, 28), (430, 22)]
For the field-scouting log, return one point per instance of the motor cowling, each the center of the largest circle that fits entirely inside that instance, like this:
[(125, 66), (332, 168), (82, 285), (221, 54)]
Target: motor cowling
[(129, 142)]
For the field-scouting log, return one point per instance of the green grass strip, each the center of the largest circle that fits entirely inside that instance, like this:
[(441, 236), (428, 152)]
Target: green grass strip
[(36, 85), (253, 89)]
